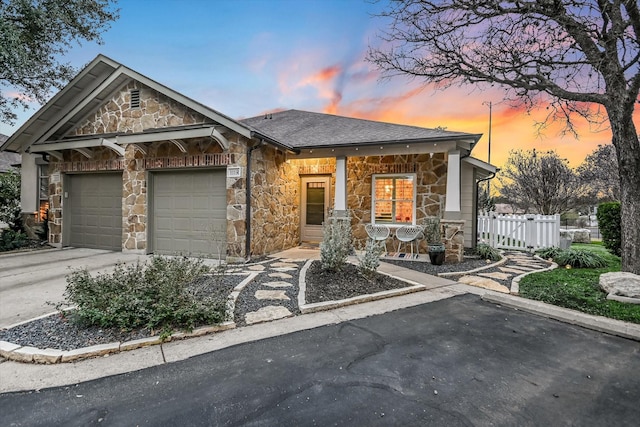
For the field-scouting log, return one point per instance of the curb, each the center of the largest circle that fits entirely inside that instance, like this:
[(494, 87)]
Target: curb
[(27, 354), (597, 323)]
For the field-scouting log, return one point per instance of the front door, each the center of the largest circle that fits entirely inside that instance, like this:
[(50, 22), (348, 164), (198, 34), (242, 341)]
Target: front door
[(315, 205)]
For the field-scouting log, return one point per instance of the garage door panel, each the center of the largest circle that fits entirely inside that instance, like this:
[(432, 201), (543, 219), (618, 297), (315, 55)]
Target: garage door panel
[(186, 206), (94, 213)]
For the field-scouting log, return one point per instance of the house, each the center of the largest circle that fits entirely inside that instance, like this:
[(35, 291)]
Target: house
[(133, 165), (8, 160)]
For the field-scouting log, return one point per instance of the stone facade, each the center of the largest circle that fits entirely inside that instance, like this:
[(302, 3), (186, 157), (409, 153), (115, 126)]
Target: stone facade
[(156, 111)]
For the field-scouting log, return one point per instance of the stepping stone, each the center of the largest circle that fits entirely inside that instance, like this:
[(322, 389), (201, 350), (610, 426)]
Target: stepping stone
[(257, 267), (485, 283), (522, 267), (281, 275), (283, 269), (496, 275), (266, 314), (513, 270), (284, 264), (279, 295), (279, 284), (293, 260)]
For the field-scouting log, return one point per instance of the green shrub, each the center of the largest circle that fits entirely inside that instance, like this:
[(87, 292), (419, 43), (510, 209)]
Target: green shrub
[(487, 252), (580, 258), (160, 295), (11, 239), (610, 226), (549, 253), (336, 243)]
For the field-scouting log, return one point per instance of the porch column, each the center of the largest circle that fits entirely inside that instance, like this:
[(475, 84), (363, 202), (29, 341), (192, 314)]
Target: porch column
[(452, 200), (340, 201)]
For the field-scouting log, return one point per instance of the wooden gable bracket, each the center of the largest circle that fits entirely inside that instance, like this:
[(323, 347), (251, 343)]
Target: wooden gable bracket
[(56, 154), (141, 148), (178, 143), (112, 145), (85, 152), (219, 138)]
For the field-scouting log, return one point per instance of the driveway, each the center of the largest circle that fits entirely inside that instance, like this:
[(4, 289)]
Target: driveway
[(29, 280), (454, 362)]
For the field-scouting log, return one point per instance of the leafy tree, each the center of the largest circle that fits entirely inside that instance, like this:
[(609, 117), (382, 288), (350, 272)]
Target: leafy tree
[(10, 199), (35, 34), (599, 172), (577, 57), (542, 182)]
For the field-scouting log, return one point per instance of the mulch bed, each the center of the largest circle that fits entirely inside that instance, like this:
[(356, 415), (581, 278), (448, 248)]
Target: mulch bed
[(325, 285)]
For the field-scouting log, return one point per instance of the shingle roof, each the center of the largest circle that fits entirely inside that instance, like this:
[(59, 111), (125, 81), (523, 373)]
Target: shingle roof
[(302, 129)]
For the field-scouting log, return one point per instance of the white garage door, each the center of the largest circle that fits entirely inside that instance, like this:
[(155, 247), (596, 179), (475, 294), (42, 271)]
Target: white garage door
[(189, 212), (94, 211)]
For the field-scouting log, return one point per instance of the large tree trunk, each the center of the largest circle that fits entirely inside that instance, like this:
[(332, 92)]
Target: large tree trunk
[(625, 139)]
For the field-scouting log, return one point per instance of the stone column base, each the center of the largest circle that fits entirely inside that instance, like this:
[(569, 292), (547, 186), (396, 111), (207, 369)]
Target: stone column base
[(453, 240)]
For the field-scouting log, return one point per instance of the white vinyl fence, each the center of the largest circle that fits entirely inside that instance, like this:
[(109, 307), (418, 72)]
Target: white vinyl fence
[(522, 232)]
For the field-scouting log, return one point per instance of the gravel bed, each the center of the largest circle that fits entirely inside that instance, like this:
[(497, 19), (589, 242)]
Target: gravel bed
[(467, 264), (247, 302), (331, 286), (61, 333)]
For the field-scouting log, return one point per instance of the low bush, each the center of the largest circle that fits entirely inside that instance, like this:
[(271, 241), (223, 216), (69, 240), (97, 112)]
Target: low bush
[(580, 258), (610, 226), (369, 261), (487, 252), (160, 295), (549, 253), (336, 242), (11, 239)]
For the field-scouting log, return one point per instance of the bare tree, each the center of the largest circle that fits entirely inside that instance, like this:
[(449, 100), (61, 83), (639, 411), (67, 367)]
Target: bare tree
[(599, 173), (578, 57), (540, 181)]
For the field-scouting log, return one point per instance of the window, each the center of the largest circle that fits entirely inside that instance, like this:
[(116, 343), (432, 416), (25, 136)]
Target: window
[(43, 191), (394, 199)]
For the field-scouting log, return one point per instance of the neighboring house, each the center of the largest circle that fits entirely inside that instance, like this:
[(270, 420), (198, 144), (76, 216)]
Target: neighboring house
[(134, 166), (8, 160)]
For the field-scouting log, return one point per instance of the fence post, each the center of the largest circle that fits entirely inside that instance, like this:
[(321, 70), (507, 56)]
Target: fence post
[(530, 232)]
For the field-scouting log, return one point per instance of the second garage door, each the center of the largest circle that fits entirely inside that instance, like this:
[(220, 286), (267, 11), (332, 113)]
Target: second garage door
[(189, 212)]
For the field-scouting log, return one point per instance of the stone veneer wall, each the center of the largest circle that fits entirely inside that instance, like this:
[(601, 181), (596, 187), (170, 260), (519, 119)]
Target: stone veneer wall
[(275, 202), (156, 111), (453, 240), (431, 175)]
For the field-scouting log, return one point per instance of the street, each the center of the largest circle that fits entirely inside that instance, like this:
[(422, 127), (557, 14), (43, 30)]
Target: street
[(454, 362)]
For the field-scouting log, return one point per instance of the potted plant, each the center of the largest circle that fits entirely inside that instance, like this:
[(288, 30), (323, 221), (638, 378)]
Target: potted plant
[(433, 236)]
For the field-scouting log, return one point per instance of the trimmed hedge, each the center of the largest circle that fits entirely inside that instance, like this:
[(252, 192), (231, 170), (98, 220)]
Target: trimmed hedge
[(610, 226)]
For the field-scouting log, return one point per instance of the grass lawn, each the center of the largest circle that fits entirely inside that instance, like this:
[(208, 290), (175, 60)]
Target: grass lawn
[(578, 289)]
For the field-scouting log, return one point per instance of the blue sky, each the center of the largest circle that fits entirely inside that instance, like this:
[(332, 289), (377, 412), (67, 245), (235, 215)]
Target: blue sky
[(247, 57)]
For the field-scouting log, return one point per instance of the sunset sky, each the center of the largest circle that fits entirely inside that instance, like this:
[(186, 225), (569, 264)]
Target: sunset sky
[(247, 57)]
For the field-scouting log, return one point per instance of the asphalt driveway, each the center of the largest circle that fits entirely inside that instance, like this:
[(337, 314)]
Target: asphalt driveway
[(29, 280), (454, 362)]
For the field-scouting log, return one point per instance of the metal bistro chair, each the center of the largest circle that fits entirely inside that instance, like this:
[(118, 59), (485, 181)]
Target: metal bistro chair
[(378, 233), (409, 234)]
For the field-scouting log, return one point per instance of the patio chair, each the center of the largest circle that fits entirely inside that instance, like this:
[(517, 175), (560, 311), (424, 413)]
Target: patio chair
[(409, 234), (378, 233)]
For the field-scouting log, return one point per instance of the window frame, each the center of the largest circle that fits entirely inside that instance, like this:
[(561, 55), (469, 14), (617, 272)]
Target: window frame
[(393, 223)]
